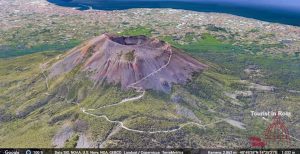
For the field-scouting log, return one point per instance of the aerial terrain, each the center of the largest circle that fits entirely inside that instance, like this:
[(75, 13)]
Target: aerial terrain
[(143, 77)]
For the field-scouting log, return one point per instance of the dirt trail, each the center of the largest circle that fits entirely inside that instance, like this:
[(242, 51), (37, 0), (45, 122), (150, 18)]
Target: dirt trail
[(139, 90), (142, 91)]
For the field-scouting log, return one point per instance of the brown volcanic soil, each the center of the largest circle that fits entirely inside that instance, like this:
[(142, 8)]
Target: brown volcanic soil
[(135, 61)]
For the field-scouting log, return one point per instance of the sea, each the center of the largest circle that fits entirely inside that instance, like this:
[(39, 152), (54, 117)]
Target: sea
[(276, 11)]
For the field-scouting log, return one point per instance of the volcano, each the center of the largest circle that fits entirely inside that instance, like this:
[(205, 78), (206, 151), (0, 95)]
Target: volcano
[(131, 61)]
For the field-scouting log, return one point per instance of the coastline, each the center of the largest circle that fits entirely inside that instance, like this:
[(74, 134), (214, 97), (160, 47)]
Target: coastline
[(179, 22), (259, 12)]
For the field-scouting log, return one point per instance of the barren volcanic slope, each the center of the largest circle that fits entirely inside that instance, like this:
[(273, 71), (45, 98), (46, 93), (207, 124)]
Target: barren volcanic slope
[(130, 61)]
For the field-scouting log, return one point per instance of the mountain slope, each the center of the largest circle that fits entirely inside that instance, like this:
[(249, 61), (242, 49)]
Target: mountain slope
[(128, 60), (68, 110)]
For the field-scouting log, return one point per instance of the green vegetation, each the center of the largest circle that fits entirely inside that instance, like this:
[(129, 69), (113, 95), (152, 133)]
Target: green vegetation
[(207, 43), (14, 51), (140, 30), (32, 114), (26, 133), (278, 70), (72, 142), (27, 107), (148, 106)]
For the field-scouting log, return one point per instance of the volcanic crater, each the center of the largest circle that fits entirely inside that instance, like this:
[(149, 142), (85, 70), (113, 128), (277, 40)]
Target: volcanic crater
[(131, 61)]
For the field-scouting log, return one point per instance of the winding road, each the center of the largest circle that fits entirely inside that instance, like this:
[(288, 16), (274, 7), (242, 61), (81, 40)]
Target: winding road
[(142, 91), (149, 132)]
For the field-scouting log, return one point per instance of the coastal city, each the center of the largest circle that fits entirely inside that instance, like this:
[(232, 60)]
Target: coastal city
[(45, 20)]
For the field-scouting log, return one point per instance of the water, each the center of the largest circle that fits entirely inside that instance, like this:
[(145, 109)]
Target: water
[(278, 11)]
